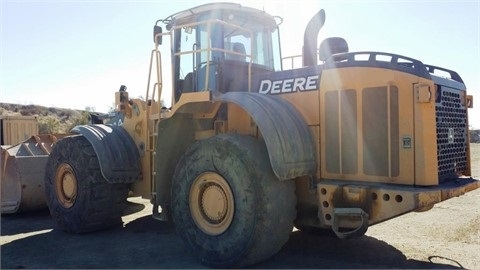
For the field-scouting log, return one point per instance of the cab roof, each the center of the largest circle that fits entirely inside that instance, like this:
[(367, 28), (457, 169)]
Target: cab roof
[(218, 10)]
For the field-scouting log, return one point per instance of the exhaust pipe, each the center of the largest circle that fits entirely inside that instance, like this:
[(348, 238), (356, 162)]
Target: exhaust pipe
[(309, 56)]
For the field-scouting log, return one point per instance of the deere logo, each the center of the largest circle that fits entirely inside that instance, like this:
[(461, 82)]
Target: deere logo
[(289, 85)]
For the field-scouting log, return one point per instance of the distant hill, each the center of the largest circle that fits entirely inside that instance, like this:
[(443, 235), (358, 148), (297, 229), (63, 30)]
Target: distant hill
[(50, 119)]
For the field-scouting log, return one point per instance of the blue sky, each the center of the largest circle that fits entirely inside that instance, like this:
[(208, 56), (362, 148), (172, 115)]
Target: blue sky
[(74, 54)]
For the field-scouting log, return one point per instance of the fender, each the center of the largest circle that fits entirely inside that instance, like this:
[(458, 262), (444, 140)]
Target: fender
[(117, 153), (290, 144)]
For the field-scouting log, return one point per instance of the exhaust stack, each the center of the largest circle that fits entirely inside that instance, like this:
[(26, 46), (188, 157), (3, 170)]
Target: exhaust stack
[(309, 56)]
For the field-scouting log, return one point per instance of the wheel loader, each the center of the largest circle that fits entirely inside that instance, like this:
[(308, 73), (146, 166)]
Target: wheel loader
[(248, 150)]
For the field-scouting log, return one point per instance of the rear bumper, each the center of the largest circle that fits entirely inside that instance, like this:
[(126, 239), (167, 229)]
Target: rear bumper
[(457, 187), (384, 201)]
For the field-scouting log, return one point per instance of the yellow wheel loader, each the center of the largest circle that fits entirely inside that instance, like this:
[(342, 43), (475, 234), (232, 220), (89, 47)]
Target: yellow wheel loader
[(248, 150)]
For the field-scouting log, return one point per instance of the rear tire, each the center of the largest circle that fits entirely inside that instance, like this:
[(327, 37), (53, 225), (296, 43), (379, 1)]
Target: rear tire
[(228, 205), (78, 197)]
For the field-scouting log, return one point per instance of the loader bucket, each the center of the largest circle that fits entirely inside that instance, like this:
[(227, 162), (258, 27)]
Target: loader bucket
[(22, 171)]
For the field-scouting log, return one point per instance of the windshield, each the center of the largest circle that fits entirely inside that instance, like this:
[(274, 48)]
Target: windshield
[(238, 38), (215, 38)]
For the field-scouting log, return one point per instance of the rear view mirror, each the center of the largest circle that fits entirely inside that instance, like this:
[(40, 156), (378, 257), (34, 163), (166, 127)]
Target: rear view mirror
[(156, 37)]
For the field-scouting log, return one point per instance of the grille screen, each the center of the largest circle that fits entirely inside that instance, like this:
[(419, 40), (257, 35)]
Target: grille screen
[(451, 116)]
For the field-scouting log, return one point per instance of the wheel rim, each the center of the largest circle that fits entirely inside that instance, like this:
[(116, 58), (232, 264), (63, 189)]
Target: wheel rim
[(211, 203), (66, 185)]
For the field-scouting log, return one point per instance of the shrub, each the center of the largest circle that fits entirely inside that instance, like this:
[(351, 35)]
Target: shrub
[(49, 124), (83, 119)]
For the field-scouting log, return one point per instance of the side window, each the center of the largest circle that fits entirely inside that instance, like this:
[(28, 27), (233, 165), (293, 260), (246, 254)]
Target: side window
[(265, 54), (187, 59), (203, 43), (188, 44), (275, 56)]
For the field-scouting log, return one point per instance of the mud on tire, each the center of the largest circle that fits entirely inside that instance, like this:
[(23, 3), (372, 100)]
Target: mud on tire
[(78, 197), (228, 205)]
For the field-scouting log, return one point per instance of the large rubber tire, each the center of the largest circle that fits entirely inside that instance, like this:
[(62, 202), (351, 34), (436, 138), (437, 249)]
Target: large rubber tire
[(228, 205), (78, 197)]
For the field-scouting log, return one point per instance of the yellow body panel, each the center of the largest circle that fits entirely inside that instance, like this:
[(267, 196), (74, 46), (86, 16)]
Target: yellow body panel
[(373, 122), (307, 104), (239, 121), (425, 134), (352, 104), (136, 124)]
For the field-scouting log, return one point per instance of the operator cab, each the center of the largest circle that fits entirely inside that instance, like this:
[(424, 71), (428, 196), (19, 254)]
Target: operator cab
[(217, 47)]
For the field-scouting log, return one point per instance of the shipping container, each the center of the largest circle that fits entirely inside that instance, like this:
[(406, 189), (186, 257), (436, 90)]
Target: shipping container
[(17, 128)]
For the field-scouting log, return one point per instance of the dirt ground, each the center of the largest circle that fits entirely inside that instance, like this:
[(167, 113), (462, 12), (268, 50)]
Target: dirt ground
[(448, 236)]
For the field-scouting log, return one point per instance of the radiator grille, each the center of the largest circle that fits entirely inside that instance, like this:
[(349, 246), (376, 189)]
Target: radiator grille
[(451, 117)]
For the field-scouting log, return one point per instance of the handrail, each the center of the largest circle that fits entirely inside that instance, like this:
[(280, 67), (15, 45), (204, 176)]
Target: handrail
[(292, 60), (379, 59), (453, 75)]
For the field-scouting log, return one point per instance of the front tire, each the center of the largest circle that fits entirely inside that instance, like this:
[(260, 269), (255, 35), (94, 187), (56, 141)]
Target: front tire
[(78, 197), (228, 205)]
